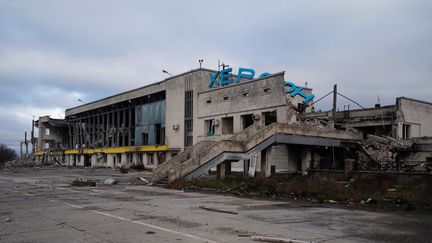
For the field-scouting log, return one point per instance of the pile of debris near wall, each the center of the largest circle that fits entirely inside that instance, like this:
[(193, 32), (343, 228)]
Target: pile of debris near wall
[(29, 162), (384, 153)]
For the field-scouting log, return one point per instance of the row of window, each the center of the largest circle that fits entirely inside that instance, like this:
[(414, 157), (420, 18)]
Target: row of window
[(227, 123)]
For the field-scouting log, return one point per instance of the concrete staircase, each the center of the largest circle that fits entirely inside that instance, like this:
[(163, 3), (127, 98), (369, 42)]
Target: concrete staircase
[(245, 144), (160, 173)]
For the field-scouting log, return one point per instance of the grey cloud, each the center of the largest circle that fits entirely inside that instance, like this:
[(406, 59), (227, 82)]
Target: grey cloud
[(54, 52)]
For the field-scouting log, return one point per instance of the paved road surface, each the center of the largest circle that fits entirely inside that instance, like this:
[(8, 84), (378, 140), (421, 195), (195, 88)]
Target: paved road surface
[(41, 206)]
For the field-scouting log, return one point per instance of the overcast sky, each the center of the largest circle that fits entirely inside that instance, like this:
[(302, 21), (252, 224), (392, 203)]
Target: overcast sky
[(53, 53)]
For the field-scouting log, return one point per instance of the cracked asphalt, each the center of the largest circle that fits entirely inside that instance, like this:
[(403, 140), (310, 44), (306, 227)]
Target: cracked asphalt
[(40, 205)]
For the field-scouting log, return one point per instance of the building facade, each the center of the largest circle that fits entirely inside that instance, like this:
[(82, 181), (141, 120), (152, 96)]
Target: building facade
[(151, 124), (230, 116)]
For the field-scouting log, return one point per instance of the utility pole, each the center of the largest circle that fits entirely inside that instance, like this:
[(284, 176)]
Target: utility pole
[(32, 137), (26, 145), (334, 103)]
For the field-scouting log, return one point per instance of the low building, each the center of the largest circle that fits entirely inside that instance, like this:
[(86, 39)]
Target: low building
[(407, 118), (51, 140)]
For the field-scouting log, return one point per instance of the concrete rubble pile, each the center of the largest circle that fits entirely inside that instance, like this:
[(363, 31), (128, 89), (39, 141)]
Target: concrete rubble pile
[(315, 122), (380, 152), (20, 163), (30, 163)]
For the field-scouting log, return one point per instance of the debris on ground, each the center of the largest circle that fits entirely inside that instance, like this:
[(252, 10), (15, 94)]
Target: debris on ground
[(29, 162), (19, 163), (138, 181), (275, 239), (110, 182), (8, 219), (150, 232), (216, 210), (144, 180), (124, 170), (82, 183), (380, 152)]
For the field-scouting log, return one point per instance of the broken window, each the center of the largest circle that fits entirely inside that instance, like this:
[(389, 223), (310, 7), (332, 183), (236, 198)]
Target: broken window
[(209, 126), (160, 134), (269, 117), (227, 125), (406, 131), (247, 120)]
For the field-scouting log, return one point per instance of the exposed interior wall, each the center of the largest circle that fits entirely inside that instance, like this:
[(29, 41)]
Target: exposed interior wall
[(417, 114)]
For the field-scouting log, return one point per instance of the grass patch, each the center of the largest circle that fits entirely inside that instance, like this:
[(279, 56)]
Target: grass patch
[(378, 191)]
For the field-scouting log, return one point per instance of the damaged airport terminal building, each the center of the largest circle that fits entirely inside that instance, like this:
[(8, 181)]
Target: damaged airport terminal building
[(233, 121)]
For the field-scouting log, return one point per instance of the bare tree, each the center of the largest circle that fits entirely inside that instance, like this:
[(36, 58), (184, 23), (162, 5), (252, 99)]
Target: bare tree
[(6, 154)]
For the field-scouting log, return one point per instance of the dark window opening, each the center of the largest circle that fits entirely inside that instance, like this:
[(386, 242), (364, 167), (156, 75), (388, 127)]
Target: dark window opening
[(269, 117), (406, 131), (160, 134), (87, 160), (227, 125), (209, 126), (120, 142), (247, 120), (188, 133)]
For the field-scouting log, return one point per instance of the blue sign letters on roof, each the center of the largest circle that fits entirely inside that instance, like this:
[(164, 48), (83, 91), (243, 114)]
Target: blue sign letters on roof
[(225, 79)]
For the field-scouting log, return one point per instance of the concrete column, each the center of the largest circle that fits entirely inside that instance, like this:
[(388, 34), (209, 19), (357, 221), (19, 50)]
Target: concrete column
[(123, 159), (265, 165), (306, 156), (66, 160), (246, 164), (81, 160), (144, 160), (72, 159), (220, 170), (110, 160), (135, 158), (93, 160)]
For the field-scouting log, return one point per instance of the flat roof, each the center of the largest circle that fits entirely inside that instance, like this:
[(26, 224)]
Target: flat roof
[(420, 101), (112, 99), (136, 89)]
